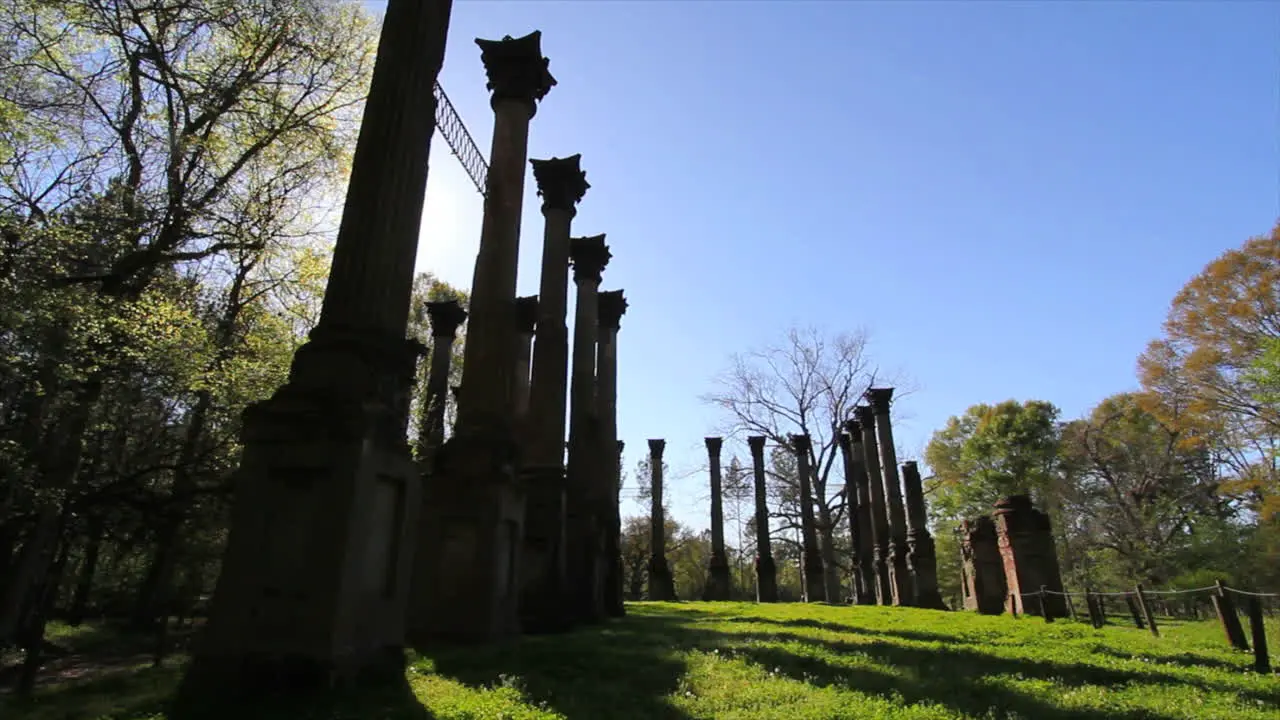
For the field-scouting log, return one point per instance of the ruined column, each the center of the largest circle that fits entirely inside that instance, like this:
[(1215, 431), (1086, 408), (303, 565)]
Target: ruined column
[(314, 585), (587, 490), (718, 567), (981, 567), (470, 584), (866, 418), (526, 322), (815, 588), (446, 317), (899, 575), (662, 585), (611, 306), (544, 591), (615, 591), (1030, 560), (862, 546), (766, 570), (922, 557)]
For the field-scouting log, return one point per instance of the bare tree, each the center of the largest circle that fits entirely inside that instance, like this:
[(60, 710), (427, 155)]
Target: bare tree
[(808, 384)]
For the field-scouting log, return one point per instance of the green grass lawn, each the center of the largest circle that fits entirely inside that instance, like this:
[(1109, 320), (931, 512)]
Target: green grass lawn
[(738, 660)]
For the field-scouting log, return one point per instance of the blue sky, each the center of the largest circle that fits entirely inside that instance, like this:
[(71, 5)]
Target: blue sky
[(1005, 195)]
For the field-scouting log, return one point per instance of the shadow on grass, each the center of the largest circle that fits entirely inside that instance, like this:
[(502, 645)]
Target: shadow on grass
[(622, 669)]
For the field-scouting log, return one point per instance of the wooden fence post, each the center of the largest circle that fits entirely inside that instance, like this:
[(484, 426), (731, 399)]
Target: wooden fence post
[(1071, 607), (1261, 660), (1044, 606), (1013, 604), (1134, 611), (1146, 611), (1224, 605)]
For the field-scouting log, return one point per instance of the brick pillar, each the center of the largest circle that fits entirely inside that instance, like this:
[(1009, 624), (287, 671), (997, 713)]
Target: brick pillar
[(922, 556), (982, 569), (766, 570), (718, 567), (314, 580), (611, 307), (477, 505), (866, 419), (862, 545), (815, 588), (661, 584), (543, 605), (1030, 559)]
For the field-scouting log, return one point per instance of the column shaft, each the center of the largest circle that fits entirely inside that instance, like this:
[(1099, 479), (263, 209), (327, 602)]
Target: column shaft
[(718, 587), (661, 584), (815, 587), (766, 570), (526, 322), (922, 558), (899, 574), (610, 307), (879, 513)]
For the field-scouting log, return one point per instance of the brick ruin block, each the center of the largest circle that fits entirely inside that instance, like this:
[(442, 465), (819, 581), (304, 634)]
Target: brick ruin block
[(982, 569), (1025, 538)]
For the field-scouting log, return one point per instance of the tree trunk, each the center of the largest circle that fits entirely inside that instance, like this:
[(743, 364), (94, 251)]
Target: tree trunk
[(827, 546), (88, 567)]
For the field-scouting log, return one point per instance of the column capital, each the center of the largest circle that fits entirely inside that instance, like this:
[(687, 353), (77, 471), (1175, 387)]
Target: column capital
[(445, 316), (801, 443), (756, 443), (516, 69), (590, 256), (526, 314), (561, 182), (656, 447), (911, 467), (714, 444), (880, 399), (611, 306), (853, 427), (865, 416)]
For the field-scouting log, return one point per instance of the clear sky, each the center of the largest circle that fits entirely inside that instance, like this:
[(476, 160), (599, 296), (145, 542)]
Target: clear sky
[(1005, 195)]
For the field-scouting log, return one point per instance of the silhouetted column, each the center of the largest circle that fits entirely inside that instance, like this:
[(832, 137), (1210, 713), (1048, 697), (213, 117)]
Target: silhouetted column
[(470, 591), (446, 317), (862, 540), (815, 589), (526, 322), (313, 583), (718, 567), (661, 584), (611, 307), (766, 570), (587, 493), (899, 575), (615, 589), (922, 559), (866, 419), (544, 592)]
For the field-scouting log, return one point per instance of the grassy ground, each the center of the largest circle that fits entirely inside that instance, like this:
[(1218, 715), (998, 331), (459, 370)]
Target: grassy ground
[(732, 661)]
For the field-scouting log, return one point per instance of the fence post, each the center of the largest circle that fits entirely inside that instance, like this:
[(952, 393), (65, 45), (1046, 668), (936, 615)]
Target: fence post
[(1071, 607), (1134, 612), (1044, 606), (1146, 611), (1013, 604), (1093, 604), (1261, 660), (1225, 607)]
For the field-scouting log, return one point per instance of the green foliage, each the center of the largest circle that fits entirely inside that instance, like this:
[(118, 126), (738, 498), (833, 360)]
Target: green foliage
[(715, 661)]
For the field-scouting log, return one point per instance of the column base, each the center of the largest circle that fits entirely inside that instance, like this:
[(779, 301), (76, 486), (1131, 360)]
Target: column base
[(662, 586), (884, 584), (613, 590), (544, 591), (466, 580), (586, 526), (314, 582), (766, 580), (923, 564), (900, 575), (718, 584)]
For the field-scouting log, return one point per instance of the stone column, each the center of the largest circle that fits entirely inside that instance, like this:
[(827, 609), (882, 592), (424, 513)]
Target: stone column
[(866, 419), (899, 575), (766, 570), (526, 322), (862, 546), (922, 556), (468, 589), (446, 317), (615, 591), (661, 584), (718, 567), (562, 184), (815, 588), (611, 306), (314, 577), (587, 492)]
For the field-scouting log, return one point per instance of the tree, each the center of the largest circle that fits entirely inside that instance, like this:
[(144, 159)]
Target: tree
[(992, 451), (809, 385), (1209, 373)]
